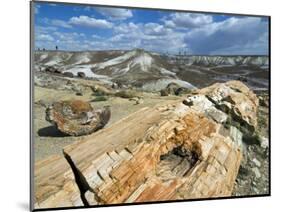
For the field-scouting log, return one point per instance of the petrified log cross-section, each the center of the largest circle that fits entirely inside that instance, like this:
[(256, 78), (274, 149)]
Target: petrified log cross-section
[(185, 150)]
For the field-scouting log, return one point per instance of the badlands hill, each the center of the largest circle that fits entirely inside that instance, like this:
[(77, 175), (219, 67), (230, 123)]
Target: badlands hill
[(152, 71), (219, 60)]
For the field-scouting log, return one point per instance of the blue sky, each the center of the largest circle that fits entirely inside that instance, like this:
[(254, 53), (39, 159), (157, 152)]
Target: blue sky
[(77, 28)]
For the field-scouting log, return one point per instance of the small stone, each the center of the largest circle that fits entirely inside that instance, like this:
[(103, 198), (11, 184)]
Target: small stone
[(236, 136), (134, 99), (79, 94), (139, 101), (42, 103), (256, 162), (264, 142), (114, 86), (81, 74), (256, 172), (164, 92), (256, 190)]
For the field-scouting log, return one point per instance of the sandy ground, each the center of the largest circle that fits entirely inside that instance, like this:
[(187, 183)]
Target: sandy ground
[(48, 140)]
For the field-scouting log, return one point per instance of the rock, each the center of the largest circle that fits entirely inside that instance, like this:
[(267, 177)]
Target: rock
[(264, 142), (114, 86), (264, 101), (256, 190), (100, 90), (174, 89), (256, 172), (68, 74), (164, 92), (77, 117), (81, 74), (134, 99), (182, 90), (42, 103), (139, 101), (79, 94), (51, 69), (256, 162), (236, 135)]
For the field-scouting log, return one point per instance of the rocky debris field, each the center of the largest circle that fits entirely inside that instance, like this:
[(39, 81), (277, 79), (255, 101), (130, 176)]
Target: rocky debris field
[(253, 176)]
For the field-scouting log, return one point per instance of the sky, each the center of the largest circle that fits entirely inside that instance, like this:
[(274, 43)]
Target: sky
[(82, 27)]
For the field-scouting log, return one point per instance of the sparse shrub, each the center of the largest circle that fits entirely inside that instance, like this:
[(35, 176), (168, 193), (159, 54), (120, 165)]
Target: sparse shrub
[(68, 74), (255, 138), (127, 94), (100, 99)]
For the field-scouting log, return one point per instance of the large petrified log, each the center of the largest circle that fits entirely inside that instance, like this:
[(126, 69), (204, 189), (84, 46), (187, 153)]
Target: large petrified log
[(185, 150)]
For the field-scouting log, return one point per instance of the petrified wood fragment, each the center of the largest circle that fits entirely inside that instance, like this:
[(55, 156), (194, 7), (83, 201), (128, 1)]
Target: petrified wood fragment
[(185, 150), (76, 117)]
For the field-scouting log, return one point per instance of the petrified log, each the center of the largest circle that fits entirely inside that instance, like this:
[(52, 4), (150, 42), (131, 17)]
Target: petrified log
[(55, 184), (185, 150), (76, 117)]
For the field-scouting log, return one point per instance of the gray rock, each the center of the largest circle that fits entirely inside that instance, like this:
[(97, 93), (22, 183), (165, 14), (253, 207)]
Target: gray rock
[(81, 74), (79, 94), (164, 92), (264, 142), (114, 86), (236, 136), (256, 162), (217, 115), (51, 69), (42, 103), (256, 172), (256, 190), (139, 101)]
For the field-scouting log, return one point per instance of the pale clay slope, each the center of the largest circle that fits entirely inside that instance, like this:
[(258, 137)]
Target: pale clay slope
[(148, 69), (118, 66)]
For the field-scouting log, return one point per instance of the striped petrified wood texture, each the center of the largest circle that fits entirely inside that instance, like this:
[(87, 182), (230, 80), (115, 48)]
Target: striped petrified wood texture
[(186, 150)]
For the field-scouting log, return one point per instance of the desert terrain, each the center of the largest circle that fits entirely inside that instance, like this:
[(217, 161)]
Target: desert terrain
[(129, 81)]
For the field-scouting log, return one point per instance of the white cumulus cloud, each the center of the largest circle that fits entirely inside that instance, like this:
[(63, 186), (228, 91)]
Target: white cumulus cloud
[(87, 21), (235, 35), (115, 13), (60, 23), (44, 37), (188, 20)]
